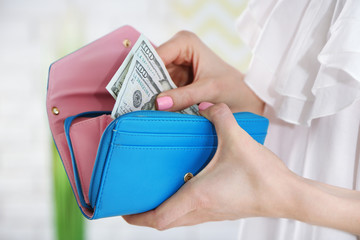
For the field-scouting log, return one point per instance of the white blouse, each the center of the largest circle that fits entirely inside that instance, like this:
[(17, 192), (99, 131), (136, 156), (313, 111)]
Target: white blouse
[(306, 67)]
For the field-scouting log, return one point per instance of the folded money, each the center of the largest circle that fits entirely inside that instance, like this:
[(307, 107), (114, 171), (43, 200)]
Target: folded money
[(139, 79)]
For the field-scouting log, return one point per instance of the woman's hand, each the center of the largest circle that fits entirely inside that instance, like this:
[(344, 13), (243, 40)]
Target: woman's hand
[(202, 77), (243, 179)]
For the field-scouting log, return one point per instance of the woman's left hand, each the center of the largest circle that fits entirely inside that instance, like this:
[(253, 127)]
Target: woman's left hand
[(244, 179)]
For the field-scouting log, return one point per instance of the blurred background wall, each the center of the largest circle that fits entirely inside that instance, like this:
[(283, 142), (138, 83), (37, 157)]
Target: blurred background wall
[(35, 200)]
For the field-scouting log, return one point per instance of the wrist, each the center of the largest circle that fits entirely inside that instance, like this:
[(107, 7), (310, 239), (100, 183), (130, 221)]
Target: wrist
[(319, 204), (246, 100), (285, 199)]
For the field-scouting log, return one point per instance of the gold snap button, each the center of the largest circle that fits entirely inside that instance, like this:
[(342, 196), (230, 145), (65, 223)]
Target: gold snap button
[(188, 176), (55, 111), (126, 43)]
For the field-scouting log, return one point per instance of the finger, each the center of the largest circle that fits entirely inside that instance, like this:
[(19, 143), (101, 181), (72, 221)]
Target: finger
[(173, 208), (180, 74), (189, 219), (222, 118), (179, 49), (186, 96)]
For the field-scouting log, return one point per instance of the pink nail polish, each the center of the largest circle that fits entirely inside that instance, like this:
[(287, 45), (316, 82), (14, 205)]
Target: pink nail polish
[(164, 103), (204, 105)]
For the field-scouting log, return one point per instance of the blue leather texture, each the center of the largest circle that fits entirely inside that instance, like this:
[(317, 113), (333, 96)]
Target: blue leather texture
[(143, 156)]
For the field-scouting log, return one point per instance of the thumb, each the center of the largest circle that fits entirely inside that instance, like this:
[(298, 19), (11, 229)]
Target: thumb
[(183, 97), (222, 118)]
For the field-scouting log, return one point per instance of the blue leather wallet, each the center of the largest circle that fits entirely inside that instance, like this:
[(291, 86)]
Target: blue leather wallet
[(142, 157)]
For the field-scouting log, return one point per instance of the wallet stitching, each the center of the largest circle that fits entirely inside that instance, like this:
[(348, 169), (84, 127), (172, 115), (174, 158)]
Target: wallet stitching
[(175, 135), (102, 185), (106, 172), (162, 147), (87, 121), (180, 120), (164, 135), (83, 123)]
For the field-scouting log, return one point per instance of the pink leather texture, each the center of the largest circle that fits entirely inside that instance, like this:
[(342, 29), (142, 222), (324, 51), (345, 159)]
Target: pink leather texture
[(76, 84), (86, 135)]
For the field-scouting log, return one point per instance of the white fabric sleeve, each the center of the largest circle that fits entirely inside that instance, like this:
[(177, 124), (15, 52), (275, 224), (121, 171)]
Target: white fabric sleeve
[(306, 56)]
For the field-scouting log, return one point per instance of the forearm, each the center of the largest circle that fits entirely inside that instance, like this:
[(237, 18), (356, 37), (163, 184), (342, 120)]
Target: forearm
[(325, 205), (252, 102)]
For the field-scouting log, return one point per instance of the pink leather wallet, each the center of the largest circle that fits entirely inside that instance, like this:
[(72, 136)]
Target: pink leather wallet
[(77, 84)]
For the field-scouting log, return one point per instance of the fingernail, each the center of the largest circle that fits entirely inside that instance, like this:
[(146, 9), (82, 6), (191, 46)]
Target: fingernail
[(164, 103), (204, 105)]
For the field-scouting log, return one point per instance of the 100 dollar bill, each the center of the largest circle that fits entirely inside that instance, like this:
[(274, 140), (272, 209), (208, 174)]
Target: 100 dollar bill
[(138, 91), (138, 81), (117, 80)]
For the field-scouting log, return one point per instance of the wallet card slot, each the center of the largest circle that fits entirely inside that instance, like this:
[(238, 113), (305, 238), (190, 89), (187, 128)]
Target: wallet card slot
[(171, 140), (84, 134), (175, 123), (165, 140)]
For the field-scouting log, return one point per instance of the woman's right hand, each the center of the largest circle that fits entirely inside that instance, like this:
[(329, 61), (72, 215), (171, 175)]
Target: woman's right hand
[(201, 76)]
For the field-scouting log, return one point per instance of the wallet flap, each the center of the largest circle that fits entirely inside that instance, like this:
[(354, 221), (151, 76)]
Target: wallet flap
[(76, 84)]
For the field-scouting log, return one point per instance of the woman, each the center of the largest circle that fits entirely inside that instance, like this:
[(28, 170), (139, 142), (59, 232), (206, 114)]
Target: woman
[(304, 77)]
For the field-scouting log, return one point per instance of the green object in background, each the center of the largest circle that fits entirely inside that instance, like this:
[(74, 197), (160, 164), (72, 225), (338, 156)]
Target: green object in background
[(69, 221)]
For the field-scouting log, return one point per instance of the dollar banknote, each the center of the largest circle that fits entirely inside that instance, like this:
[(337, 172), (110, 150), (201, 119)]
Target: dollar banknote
[(138, 91), (117, 80), (139, 80)]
